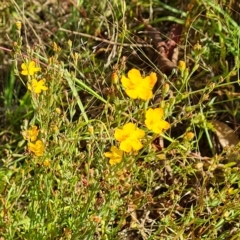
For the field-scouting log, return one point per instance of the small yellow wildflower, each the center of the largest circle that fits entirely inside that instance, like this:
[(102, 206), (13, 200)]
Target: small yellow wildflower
[(91, 129), (161, 156), (129, 137), (115, 155), (197, 46), (182, 66), (55, 129), (37, 148), (46, 163), (37, 86), (31, 134), (138, 87), (29, 68), (58, 110), (154, 120), (56, 48), (189, 136)]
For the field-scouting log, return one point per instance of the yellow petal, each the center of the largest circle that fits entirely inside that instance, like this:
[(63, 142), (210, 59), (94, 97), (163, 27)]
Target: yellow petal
[(149, 124), (136, 144), (138, 133), (158, 113), (148, 82), (31, 147), (126, 82), (149, 113), (34, 82), (153, 78), (114, 161), (164, 124), (132, 93), (108, 154), (157, 129), (126, 146), (119, 135), (116, 151), (41, 83), (29, 86), (135, 76), (129, 128), (31, 64), (145, 94), (23, 66)]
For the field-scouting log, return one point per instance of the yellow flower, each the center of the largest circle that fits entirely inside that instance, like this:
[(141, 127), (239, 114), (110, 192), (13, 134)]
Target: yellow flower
[(37, 148), (29, 68), (37, 86), (46, 163), (115, 155), (182, 66), (91, 129), (31, 134), (189, 136), (58, 110), (197, 46), (129, 137), (138, 87), (154, 120)]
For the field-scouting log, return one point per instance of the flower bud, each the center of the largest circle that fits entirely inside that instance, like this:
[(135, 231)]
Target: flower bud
[(18, 25), (46, 163), (162, 104), (165, 89), (172, 101), (91, 129), (114, 78), (69, 43), (182, 66), (58, 110), (189, 136)]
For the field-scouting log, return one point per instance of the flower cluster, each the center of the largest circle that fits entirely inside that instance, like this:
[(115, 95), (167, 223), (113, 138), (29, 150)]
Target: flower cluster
[(130, 136), (34, 145), (35, 86)]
